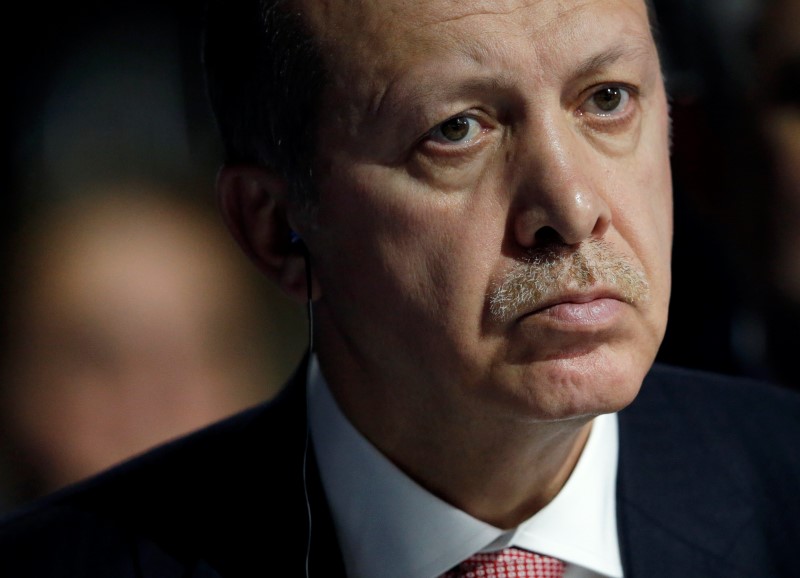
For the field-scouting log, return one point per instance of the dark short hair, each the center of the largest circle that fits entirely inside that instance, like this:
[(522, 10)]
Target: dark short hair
[(265, 77)]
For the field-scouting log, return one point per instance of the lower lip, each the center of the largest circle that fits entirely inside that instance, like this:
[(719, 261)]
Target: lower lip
[(592, 313)]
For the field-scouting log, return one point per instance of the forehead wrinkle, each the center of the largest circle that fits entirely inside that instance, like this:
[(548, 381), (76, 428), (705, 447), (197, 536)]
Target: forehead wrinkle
[(471, 78), (413, 86), (641, 49), (420, 96), (471, 13), (488, 46), (490, 43)]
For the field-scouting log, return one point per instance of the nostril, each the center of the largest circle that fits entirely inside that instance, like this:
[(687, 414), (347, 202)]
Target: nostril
[(548, 236)]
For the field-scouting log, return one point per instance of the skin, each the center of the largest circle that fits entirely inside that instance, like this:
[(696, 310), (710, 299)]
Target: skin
[(412, 232)]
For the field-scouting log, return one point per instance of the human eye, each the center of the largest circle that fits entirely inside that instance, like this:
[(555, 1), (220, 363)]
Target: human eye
[(610, 108), (608, 101), (458, 130), (463, 138)]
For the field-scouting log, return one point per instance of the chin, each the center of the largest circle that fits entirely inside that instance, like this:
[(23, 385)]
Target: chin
[(581, 386)]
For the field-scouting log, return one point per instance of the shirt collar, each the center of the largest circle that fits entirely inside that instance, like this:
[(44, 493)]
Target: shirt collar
[(388, 525)]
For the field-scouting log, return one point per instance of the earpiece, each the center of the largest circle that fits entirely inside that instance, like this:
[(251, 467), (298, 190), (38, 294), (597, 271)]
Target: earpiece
[(297, 241)]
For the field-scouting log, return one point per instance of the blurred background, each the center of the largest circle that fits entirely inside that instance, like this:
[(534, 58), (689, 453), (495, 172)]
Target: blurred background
[(129, 317), (733, 74)]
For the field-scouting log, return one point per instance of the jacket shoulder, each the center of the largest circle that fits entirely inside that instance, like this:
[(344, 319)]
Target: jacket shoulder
[(180, 503), (721, 399), (709, 471), (754, 424)]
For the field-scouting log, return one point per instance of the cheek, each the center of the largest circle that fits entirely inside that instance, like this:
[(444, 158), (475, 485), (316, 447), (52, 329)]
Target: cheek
[(656, 229), (651, 187), (642, 212), (362, 245), (439, 262), (642, 207), (419, 255)]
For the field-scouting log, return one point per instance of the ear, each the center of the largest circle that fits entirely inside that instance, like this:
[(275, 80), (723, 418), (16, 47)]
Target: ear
[(254, 205)]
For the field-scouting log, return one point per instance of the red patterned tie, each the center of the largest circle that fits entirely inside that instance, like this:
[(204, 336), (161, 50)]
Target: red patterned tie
[(508, 563)]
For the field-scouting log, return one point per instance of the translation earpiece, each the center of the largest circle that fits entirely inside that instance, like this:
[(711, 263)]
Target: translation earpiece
[(297, 241)]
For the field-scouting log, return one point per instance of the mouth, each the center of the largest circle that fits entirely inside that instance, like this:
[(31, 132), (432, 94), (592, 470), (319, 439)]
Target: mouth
[(580, 286), (592, 309)]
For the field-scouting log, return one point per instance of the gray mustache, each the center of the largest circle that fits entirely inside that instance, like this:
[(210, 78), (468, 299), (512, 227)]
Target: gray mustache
[(553, 270)]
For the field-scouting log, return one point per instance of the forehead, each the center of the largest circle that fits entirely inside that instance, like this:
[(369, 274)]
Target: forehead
[(374, 33), (391, 50), (404, 16)]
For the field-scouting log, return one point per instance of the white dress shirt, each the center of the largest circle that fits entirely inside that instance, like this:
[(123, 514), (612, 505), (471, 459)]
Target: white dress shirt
[(391, 527)]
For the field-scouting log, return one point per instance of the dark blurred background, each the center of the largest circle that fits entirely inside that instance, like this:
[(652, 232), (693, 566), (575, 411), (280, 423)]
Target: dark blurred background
[(129, 316), (127, 319), (732, 74)]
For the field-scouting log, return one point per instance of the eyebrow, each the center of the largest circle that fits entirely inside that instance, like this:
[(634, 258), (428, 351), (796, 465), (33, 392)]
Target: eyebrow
[(424, 95), (608, 57), (638, 49)]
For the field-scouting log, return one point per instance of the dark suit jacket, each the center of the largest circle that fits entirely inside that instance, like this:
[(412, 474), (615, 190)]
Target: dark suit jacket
[(709, 486)]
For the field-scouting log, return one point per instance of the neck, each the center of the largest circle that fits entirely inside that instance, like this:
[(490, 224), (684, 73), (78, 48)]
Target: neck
[(499, 470), (503, 478)]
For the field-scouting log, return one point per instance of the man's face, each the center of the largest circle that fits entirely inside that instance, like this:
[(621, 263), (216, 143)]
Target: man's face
[(494, 225)]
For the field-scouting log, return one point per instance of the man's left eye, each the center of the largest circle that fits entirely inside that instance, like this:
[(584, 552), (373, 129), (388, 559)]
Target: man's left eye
[(457, 130), (608, 101)]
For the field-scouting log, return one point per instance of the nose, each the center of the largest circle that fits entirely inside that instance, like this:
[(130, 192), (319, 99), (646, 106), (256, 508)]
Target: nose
[(559, 197)]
